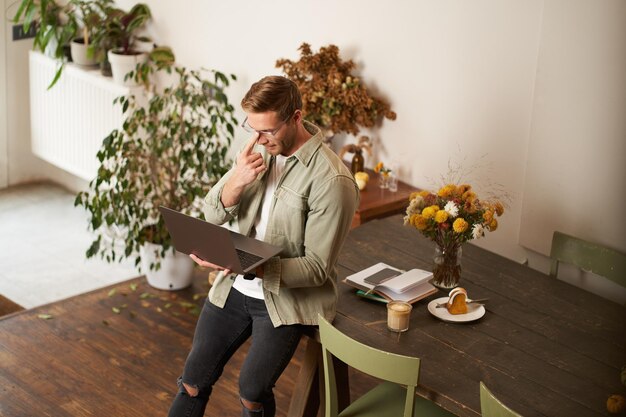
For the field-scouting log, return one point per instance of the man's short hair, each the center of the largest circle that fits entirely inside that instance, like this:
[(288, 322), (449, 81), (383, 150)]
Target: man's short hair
[(273, 93)]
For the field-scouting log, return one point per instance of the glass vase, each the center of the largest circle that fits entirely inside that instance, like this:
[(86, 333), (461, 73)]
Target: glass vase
[(384, 180), (447, 267)]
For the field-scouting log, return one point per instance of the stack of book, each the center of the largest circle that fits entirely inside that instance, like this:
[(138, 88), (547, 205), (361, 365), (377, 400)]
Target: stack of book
[(385, 283)]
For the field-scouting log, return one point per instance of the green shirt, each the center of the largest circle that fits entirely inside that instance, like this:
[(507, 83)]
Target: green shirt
[(311, 213)]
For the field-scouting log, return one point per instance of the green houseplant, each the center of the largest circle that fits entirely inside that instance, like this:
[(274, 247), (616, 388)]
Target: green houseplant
[(332, 97), (169, 152), (91, 16), (56, 26), (118, 35)]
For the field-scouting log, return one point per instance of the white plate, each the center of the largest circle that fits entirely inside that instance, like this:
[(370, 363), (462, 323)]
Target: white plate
[(474, 311)]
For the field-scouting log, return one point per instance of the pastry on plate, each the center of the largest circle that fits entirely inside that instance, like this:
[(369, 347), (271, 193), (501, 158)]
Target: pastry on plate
[(457, 303)]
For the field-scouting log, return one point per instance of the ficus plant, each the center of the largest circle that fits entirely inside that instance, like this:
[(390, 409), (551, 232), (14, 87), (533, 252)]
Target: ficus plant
[(171, 149)]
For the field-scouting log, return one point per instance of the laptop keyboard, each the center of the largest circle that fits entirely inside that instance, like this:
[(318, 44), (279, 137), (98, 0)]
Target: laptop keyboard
[(246, 259)]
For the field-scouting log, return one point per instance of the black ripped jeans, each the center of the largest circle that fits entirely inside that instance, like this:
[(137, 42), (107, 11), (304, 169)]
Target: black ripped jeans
[(219, 333)]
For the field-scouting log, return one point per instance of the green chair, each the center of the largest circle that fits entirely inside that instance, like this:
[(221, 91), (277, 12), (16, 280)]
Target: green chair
[(388, 398), (490, 406), (587, 256)]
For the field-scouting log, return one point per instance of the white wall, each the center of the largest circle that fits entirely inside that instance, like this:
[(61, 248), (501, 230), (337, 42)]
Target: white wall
[(576, 170), (459, 74), (479, 83), (3, 100)]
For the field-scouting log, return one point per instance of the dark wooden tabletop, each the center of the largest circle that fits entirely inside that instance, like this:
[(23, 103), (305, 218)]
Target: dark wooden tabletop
[(544, 347)]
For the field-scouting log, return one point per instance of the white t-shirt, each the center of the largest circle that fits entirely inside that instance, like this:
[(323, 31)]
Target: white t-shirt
[(254, 287)]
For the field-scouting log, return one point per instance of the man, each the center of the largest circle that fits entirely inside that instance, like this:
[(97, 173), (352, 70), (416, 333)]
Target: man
[(290, 190)]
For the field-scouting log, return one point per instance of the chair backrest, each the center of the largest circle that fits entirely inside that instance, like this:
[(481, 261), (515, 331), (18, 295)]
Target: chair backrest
[(380, 364), (588, 256), (490, 406)]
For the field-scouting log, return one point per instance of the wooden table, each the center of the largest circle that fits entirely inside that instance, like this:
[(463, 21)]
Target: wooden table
[(544, 347), (377, 202)]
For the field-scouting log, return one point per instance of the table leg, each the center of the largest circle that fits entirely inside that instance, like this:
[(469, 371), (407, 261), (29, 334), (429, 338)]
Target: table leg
[(343, 384), (305, 400), (308, 393)]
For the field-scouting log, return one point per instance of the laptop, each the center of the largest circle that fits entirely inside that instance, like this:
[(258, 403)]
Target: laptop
[(216, 244)]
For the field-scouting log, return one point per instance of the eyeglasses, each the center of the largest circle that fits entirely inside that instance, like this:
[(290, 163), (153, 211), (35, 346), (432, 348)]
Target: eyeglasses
[(266, 133)]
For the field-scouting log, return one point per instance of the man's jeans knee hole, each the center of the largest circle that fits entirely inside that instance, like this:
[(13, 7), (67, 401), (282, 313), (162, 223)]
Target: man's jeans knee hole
[(251, 405), (191, 390)]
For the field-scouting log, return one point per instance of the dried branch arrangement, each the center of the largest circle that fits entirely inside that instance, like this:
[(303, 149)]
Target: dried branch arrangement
[(332, 97)]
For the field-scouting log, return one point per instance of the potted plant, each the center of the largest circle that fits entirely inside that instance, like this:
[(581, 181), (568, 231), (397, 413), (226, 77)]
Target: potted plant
[(56, 26), (118, 35), (91, 15), (332, 97), (169, 152)]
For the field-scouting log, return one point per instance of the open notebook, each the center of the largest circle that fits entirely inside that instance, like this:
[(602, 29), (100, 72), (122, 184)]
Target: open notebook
[(409, 286)]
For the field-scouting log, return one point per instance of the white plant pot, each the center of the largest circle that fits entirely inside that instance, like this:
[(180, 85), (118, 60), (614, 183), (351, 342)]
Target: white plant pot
[(123, 64), (175, 272), (79, 54)]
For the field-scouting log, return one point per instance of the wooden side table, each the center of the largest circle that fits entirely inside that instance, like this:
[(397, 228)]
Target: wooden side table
[(379, 202)]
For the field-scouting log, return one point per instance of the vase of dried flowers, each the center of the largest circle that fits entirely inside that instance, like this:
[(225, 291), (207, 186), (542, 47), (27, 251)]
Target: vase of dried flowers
[(332, 97), (447, 266), (450, 217)]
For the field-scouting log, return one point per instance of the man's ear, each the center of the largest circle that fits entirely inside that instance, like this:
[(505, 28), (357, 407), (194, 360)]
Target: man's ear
[(297, 116)]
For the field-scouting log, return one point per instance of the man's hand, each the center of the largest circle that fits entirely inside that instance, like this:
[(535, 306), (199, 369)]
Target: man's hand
[(249, 165), (206, 264)]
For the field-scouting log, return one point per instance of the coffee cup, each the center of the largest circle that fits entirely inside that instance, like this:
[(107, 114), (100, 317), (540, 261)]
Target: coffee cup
[(398, 314)]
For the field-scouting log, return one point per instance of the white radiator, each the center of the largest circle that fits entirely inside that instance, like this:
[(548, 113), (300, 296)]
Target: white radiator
[(69, 121)]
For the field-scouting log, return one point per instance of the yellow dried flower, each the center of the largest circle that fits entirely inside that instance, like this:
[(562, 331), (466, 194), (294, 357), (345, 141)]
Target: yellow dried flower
[(499, 208), (446, 191), (441, 216), (488, 216), (460, 225), (429, 212), (415, 194), (493, 225), (463, 188), (469, 196), (419, 222), (378, 167), (471, 206), (424, 193)]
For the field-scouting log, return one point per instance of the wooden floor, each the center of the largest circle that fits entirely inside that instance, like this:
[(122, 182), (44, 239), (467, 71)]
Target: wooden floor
[(115, 351), (8, 306)]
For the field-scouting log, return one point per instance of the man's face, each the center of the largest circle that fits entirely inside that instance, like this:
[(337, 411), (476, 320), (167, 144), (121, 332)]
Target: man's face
[(278, 136)]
